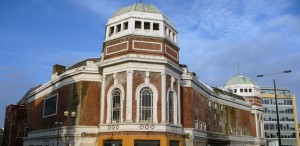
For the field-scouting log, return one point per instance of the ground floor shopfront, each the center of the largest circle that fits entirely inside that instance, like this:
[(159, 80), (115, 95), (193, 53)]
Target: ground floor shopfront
[(140, 139)]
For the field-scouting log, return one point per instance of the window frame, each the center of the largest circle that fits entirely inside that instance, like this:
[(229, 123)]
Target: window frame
[(144, 93), (173, 109), (56, 105), (155, 100), (135, 24), (108, 102), (155, 25), (125, 25), (147, 25), (119, 108)]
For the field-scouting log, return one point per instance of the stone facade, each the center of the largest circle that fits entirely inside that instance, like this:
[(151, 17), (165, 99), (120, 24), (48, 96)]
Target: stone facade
[(136, 94)]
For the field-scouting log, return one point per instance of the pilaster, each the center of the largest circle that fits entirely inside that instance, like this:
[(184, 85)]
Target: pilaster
[(163, 97), (129, 96)]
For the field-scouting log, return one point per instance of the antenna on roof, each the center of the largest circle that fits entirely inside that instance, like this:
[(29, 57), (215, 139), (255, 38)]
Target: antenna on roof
[(238, 65)]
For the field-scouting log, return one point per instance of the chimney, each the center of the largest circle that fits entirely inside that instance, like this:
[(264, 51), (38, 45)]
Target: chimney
[(59, 69)]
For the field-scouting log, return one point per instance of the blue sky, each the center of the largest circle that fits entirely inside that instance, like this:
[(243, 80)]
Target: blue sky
[(263, 36)]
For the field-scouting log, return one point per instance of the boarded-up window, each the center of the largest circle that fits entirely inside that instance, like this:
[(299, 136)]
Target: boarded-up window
[(125, 25), (146, 25), (174, 143), (146, 143), (112, 142), (50, 105), (155, 26), (138, 24)]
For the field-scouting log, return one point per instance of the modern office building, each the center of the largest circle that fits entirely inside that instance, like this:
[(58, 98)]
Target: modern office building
[(287, 116), (138, 94)]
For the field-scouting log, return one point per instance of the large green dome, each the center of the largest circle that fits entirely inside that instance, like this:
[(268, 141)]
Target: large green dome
[(239, 79), (140, 7)]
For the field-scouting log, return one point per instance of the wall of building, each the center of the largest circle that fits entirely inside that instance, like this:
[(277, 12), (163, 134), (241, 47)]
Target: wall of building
[(223, 120), (141, 45), (81, 97)]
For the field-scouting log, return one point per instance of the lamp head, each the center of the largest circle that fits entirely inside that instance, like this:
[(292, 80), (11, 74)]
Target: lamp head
[(260, 75), (66, 113), (73, 114), (287, 71)]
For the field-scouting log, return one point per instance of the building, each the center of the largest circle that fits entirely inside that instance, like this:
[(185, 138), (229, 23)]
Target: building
[(15, 125), (287, 115), (247, 88), (137, 94), (1, 136)]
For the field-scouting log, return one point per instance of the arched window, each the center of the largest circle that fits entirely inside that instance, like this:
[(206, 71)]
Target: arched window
[(146, 105), (116, 106), (171, 107)]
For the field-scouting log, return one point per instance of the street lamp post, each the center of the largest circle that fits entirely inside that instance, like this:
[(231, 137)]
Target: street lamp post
[(277, 114), (58, 124), (69, 116)]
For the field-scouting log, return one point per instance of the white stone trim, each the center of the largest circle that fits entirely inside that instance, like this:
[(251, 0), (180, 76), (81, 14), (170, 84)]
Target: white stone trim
[(108, 100), (171, 50), (163, 97), (226, 100), (129, 95), (102, 99), (174, 104), (147, 42), (155, 99), (65, 79), (137, 127), (179, 105), (121, 50)]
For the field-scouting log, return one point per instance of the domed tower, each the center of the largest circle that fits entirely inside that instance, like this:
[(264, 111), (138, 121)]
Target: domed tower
[(245, 86), (140, 79), (140, 29)]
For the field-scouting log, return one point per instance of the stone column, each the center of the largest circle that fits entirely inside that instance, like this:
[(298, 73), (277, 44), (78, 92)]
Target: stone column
[(129, 96), (179, 104), (102, 100)]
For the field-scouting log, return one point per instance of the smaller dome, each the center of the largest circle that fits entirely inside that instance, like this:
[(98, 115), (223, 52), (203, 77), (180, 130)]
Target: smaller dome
[(139, 7), (239, 79)]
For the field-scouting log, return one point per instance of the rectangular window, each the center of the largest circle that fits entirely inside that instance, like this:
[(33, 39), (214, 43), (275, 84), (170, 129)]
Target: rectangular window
[(125, 25), (246, 90), (50, 106), (241, 90), (112, 142), (174, 143), (111, 30), (146, 143), (138, 24), (155, 26), (147, 25), (118, 27), (234, 91), (250, 90)]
